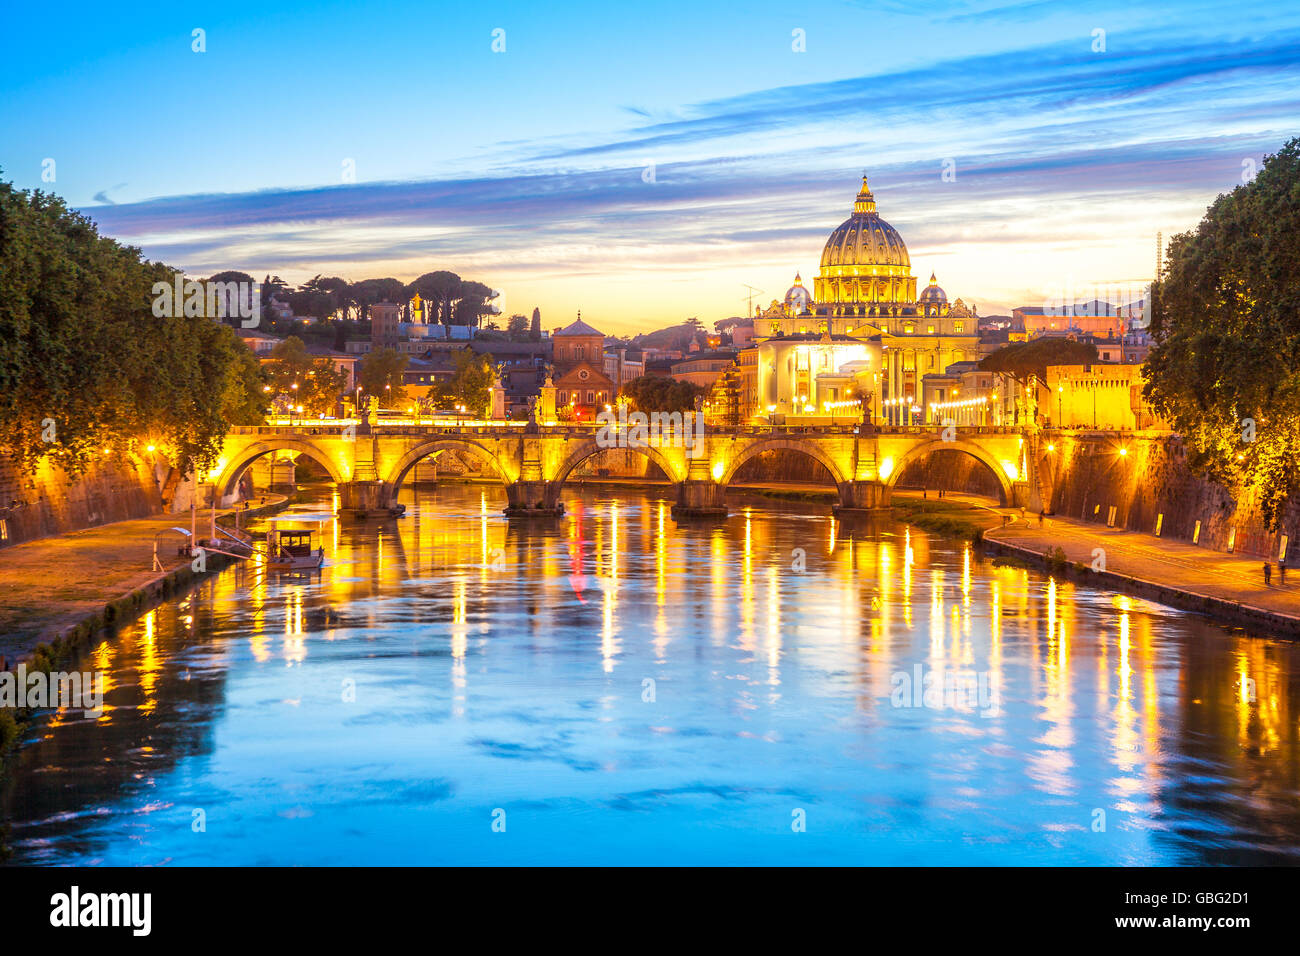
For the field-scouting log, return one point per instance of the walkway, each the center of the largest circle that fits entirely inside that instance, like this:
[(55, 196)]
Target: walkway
[(1161, 563), (52, 584)]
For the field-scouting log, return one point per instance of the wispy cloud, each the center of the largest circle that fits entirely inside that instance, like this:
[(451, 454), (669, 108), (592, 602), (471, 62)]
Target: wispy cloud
[(1125, 140)]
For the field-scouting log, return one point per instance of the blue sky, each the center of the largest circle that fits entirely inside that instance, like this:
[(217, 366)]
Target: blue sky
[(526, 169)]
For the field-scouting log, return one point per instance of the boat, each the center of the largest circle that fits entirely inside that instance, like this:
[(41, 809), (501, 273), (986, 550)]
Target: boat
[(293, 551)]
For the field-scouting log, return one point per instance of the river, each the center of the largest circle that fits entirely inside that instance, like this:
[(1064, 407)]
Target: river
[(616, 688)]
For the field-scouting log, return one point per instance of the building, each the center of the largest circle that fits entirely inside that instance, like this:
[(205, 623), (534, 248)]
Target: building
[(1094, 318), (385, 325), (1096, 396), (622, 365), (864, 311), (702, 368), (259, 342), (581, 385)]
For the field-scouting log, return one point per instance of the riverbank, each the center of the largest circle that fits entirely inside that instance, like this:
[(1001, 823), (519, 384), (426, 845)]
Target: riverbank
[(65, 588), (1226, 586)]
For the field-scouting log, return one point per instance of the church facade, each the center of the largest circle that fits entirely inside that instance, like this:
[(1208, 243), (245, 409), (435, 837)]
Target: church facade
[(861, 342)]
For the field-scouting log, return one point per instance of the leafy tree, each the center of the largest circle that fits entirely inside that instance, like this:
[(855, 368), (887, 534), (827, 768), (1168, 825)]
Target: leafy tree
[(473, 303), (1026, 360), (441, 290), (517, 327), (657, 393), (369, 291), (1225, 370), (88, 367), (380, 374), (470, 383), (313, 382)]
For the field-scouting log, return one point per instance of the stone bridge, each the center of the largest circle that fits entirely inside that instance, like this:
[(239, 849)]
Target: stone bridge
[(369, 463)]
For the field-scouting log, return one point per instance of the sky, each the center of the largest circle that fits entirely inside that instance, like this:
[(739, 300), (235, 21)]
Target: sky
[(648, 162)]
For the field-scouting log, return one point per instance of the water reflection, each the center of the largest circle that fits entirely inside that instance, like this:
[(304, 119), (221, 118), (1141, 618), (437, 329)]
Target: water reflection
[(629, 690)]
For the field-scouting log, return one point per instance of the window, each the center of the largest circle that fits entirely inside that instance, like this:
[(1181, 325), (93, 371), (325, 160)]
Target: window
[(907, 329), (929, 330), (591, 397), (959, 327)]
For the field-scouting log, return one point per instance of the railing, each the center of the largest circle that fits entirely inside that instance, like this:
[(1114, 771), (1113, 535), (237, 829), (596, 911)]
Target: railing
[(412, 427)]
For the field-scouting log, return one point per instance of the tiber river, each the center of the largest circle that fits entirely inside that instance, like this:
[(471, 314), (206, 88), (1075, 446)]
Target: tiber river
[(619, 689)]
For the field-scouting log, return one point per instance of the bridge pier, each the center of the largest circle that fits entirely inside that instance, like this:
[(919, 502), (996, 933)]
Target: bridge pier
[(700, 498), (533, 499), (858, 498), (368, 499)]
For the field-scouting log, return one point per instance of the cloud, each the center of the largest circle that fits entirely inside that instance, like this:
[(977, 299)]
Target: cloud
[(1049, 142)]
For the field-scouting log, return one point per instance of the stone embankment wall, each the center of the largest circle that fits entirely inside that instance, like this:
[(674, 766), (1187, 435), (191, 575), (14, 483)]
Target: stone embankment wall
[(49, 502), (1150, 484)]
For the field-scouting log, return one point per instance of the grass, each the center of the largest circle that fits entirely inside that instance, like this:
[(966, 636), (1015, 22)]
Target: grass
[(952, 518)]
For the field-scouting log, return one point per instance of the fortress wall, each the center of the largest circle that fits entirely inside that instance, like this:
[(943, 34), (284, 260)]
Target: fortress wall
[(50, 502), (1089, 476)]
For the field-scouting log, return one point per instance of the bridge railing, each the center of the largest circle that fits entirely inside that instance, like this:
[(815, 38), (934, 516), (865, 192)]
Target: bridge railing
[(499, 429)]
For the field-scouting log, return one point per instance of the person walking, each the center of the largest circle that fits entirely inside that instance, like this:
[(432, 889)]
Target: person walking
[(1268, 573), (1281, 571)]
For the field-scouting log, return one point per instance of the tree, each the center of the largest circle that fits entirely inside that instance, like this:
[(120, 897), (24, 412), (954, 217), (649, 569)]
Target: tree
[(88, 366), (470, 382), (367, 292), (441, 290), (473, 303), (517, 328), (656, 393), (1225, 369), (380, 374), (304, 379), (1027, 360)]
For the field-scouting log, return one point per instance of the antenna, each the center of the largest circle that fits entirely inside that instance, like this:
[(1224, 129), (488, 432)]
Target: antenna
[(753, 291)]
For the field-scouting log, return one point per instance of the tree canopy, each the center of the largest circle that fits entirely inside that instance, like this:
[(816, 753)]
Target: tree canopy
[(380, 374), (300, 378), (1225, 369), (86, 365), (1026, 360), (656, 393), (470, 383)]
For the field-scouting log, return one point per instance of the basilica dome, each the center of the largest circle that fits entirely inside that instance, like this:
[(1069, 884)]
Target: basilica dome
[(865, 268), (797, 298), (932, 293)]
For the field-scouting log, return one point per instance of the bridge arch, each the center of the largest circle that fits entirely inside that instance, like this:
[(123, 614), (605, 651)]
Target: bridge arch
[(425, 449), (809, 448), (239, 463), (673, 471), (977, 452)]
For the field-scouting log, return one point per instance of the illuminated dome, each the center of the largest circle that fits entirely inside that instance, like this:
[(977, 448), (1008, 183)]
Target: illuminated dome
[(933, 294), (865, 268), (797, 298)]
